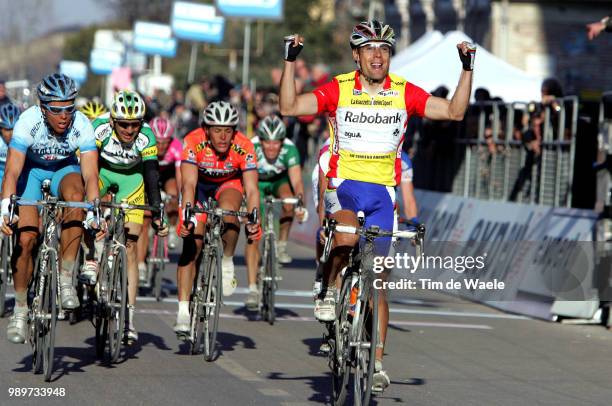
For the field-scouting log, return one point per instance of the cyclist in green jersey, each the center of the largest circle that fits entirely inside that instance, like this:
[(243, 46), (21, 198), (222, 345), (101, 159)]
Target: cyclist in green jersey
[(278, 167), (128, 158)]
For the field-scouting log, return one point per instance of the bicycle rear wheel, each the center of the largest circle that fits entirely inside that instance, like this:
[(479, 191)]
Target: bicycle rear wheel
[(49, 311), (117, 302), (365, 336), (4, 271), (212, 302), (340, 347)]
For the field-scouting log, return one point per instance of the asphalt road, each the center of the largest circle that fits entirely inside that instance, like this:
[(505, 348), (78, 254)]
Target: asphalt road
[(440, 351)]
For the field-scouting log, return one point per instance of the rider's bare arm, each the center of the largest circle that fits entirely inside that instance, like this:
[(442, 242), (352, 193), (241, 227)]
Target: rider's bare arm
[(295, 177), (13, 168), (189, 180), (250, 183), (89, 170), (292, 104), (438, 108)]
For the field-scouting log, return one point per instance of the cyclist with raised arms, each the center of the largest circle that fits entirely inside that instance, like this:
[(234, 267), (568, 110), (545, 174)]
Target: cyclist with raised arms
[(169, 153), (9, 113), (93, 110), (128, 158), (218, 162), (280, 175), (45, 141), (368, 110)]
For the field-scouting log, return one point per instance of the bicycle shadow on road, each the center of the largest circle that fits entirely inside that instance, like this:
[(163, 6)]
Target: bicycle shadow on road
[(67, 360), (250, 315), (225, 342), (313, 345), (320, 385), (144, 340)]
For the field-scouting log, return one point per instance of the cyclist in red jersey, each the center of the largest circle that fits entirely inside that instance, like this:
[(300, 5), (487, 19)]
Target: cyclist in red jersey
[(219, 162)]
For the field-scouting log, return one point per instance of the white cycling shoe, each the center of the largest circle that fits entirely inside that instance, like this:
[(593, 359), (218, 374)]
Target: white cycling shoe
[(183, 322), (17, 329), (380, 379), (228, 277), (325, 309)]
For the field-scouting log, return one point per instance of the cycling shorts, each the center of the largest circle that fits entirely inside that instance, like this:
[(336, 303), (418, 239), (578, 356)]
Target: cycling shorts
[(374, 200), (267, 188), (206, 190), (131, 188), (31, 179)]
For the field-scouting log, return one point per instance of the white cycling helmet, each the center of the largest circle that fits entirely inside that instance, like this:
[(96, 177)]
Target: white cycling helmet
[(221, 114)]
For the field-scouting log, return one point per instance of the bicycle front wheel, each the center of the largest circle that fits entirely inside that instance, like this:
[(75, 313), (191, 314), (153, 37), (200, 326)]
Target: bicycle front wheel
[(4, 271), (212, 303), (160, 267), (197, 305), (269, 280), (365, 339), (49, 311), (117, 302), (340, 349)]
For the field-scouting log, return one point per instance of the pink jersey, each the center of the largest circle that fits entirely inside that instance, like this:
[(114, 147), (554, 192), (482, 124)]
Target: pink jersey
[(173, 155)]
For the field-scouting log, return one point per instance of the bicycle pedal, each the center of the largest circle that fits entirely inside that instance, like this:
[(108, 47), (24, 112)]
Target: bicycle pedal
[(182, 336), (61, 315)]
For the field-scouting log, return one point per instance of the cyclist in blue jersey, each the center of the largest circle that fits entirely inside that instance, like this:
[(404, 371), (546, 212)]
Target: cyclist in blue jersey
[(9, 113), (44, 146)]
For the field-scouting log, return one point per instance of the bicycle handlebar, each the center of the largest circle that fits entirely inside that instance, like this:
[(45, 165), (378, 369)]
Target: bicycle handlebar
[(127, 206), (217, 211)]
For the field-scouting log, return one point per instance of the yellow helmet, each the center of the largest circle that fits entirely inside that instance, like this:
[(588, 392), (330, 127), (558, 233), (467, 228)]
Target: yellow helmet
[(93, 110)]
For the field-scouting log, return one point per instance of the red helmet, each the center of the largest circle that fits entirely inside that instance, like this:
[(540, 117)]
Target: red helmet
[(162, 128)]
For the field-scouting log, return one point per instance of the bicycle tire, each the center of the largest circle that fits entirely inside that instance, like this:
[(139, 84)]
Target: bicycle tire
[(100, 308), (340, 350), (4, 273), (196, 304), (49, 307), (367, 316), (271, 282), (118, 302), (213, 291), (35, 329), (160, 267), (261, 280)]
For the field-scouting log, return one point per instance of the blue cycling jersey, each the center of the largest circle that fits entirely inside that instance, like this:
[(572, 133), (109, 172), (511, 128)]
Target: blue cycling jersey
[(3, 152), (32, 137)]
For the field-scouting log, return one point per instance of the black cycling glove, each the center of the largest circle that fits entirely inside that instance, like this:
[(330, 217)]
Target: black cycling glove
[(468, 60), (292, 52)]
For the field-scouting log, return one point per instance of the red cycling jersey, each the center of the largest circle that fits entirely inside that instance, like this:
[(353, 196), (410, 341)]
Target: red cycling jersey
[(215, 168)]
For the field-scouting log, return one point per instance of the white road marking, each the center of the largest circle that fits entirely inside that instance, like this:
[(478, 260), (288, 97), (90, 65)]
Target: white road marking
[(313, 320)]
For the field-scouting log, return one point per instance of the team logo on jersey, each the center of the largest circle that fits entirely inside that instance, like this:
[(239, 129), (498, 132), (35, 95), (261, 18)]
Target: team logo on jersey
[(389, 92), (377, 118), (396, 132), (250, 157), (191, 155), (238, 149), (356, 92)]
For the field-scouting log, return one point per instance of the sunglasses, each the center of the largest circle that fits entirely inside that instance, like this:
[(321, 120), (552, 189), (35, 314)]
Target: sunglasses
[(129, 124), (60, 109)]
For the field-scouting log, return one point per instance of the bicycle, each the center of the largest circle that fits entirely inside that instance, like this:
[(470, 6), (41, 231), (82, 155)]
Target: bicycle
[(268, 273), (156, 264), (207, 291), (353, 336), (46, 308), (6, 275), (111, 288)]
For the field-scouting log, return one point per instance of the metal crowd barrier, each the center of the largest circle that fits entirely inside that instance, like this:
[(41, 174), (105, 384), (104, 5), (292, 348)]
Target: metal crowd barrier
[(495, 164)]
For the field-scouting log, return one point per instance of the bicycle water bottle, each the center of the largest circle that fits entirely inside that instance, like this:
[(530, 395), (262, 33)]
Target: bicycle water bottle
[(353, 297)]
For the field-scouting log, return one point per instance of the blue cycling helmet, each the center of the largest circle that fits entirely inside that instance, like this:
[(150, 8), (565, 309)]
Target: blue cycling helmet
[(9, 113), (56, 87)]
